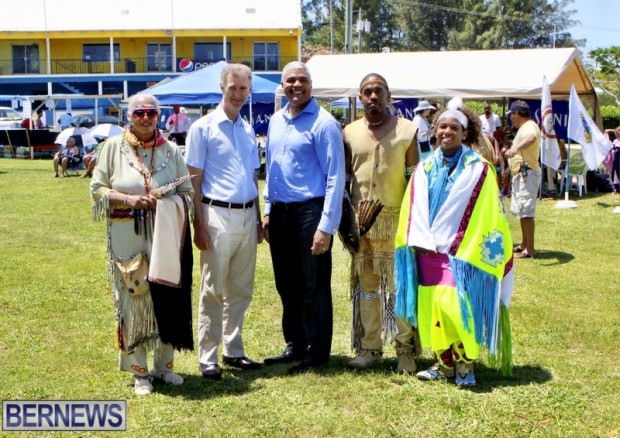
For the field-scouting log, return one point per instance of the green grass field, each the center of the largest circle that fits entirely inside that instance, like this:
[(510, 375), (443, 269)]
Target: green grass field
[(56, 337)]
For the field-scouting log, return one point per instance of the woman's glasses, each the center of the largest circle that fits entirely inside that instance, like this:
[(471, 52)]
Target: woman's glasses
[(139, 113)]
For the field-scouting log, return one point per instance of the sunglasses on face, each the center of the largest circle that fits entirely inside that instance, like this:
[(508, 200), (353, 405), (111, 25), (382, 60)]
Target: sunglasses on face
[(139, 113)]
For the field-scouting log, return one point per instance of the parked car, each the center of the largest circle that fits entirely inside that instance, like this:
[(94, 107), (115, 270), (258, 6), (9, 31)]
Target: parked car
[(88, 120), (9, 118)]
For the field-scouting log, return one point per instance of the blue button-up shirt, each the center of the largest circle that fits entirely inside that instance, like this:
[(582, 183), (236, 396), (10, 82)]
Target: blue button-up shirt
[(226, 152), (305, 160)]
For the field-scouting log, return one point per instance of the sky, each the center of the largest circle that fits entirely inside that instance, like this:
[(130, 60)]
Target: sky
[(600, 23)]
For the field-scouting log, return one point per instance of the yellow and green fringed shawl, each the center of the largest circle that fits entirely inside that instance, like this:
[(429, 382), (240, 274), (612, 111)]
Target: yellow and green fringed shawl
[(472, 230)]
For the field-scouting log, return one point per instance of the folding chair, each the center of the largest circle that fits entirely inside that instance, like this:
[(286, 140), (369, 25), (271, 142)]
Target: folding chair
[(576, 172), (73, 168)]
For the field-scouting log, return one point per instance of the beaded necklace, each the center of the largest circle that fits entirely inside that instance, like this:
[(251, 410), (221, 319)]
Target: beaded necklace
[(147, 173)]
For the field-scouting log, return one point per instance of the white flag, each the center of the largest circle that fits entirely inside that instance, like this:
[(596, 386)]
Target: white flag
[(582, 130), (550, 150)]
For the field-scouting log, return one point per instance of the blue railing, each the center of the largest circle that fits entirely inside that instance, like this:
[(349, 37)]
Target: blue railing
[(129, 65)]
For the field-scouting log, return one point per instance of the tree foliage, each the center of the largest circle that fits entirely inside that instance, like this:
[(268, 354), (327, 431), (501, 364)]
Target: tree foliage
[(606, 73), (610, 115), (608, 59), (316, 23), (411, 25), (433, 25), (423, 28)]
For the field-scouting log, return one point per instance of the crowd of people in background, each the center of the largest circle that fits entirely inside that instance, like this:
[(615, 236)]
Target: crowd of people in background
[(433, 268), (177, 123)]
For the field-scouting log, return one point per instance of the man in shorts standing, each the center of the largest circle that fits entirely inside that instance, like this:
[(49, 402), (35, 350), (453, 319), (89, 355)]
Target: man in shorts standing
[(523, 161)]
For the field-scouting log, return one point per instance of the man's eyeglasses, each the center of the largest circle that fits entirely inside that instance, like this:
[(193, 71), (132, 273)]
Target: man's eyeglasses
[(139, 113)]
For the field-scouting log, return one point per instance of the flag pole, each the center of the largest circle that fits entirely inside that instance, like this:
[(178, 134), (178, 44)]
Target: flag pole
[(549, 148), (566, 204), (567, 173)]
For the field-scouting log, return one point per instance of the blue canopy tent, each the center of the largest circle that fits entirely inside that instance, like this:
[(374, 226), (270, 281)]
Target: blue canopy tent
[(343, 102), (404, 106), (203, 86)]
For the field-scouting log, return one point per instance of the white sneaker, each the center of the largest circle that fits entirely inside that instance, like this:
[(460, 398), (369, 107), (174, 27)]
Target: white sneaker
[(170, 378), (465, 374), (142, 386), (406, 363), (365, 359), (436, 372)]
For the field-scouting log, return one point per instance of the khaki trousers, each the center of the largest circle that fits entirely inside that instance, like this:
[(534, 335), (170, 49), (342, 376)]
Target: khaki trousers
[(227, 280)]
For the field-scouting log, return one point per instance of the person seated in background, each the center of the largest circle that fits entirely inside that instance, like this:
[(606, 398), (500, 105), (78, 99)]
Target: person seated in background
[(69, 156), (90, 159)]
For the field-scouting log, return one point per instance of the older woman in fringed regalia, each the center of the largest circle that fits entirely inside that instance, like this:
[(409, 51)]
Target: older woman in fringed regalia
[(140, 185), (453, 258)]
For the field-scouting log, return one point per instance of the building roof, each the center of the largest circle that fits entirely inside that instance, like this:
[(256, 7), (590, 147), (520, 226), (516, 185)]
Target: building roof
[(122, 15)]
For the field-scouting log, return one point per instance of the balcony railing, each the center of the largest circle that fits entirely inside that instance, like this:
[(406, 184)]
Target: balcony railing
[(135, 65)]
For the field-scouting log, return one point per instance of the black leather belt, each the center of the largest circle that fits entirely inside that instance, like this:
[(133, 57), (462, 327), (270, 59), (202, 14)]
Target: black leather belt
[(215, 203), (289, 205)]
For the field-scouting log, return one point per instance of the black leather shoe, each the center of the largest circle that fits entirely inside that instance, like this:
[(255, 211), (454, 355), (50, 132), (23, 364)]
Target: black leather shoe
[(211, 371), (287, 357), (242, 362), (303, 367)]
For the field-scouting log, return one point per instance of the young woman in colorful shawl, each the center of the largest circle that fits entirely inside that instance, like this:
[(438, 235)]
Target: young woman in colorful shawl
[(453, 258)]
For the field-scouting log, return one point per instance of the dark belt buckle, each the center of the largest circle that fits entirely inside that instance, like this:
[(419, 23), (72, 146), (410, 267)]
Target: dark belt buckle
[(217, 203)]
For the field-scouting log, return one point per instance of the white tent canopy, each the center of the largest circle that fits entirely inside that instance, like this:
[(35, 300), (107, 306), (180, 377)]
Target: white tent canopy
[(472, 74)]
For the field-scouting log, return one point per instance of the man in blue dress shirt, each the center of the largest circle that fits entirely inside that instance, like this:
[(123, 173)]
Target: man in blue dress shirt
[(303, 206)]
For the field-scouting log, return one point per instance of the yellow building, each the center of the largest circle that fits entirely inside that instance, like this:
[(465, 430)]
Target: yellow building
[(123, 46)]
